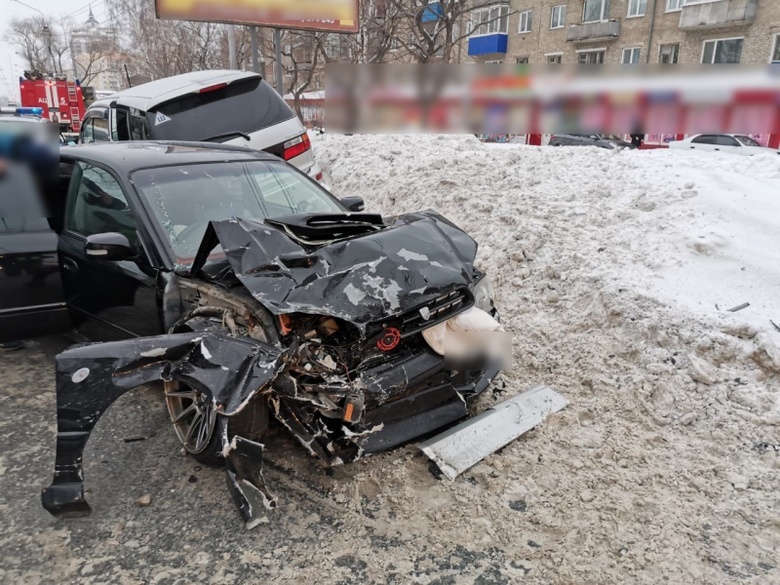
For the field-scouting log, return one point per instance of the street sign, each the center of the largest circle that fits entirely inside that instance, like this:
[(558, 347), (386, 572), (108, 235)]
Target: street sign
[(325, 16)]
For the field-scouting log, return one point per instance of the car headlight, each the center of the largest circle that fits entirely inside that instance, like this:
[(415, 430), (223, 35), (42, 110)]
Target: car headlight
[(483, 295)]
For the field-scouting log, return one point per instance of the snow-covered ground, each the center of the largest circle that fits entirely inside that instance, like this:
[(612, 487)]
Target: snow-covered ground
[(614, 271)]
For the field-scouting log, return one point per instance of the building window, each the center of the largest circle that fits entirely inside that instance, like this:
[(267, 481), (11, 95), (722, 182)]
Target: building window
[(630, 56), (591, 57), (637, 7), (669, 54), (722, 51), (674, 5), (490, 21), (525, 21), (558, 16), (521, 60), (595, 10), (554, 58), (776, 51)]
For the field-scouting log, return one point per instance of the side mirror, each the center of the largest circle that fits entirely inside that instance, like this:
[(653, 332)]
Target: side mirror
[(109, 246), (353, 203)]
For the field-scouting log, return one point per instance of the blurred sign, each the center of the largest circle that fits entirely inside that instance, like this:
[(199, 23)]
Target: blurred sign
[(320, 15)]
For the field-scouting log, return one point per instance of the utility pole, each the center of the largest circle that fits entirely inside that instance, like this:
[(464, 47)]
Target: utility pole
[(233, 58), (278, 49), (255, 53)]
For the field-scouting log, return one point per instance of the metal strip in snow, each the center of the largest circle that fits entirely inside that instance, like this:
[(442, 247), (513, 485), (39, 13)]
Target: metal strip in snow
[(466, 444)]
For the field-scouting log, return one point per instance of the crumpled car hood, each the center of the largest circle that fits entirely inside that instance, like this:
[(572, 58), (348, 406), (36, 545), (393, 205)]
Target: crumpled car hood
[(410, 262)]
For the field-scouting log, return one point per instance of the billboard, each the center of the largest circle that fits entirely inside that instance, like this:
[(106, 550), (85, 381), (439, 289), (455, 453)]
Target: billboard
[(319, 15)]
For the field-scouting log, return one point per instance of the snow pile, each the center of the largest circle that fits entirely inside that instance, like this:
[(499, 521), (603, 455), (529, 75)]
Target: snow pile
[(614, 271)]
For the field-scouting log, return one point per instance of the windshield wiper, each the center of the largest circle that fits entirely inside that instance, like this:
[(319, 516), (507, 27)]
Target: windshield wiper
[(228, 135)]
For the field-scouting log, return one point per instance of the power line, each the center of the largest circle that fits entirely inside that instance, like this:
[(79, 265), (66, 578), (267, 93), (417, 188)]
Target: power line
[(83, 8)]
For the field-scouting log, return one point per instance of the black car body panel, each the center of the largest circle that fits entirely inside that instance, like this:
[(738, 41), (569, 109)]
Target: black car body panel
[(32, 301), (388, 270)]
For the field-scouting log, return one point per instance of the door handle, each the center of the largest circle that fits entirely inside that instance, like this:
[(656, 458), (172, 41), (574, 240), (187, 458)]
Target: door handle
[(717, 149), (70, 264)]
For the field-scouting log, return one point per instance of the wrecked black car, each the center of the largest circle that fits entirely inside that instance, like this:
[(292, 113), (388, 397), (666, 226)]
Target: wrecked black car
[(247, 291)]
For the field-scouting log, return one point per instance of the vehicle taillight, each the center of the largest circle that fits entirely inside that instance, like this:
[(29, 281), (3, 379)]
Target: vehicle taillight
[(296, 146), (214, 87)]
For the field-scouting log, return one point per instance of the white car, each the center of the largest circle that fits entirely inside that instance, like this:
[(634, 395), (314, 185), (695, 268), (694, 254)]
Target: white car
[(731, 143), (228, 107)]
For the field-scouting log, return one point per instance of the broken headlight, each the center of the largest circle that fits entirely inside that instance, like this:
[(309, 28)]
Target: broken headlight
[(483, 294)]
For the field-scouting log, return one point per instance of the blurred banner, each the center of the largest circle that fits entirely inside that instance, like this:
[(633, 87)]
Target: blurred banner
[(320, 15), (520, 99)]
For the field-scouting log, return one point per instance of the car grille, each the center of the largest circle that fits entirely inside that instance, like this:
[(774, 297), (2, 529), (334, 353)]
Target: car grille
[(440, 309)]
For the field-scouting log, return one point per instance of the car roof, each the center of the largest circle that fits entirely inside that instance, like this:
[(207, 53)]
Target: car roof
[(21, 118), (131, 155), (146, 96)]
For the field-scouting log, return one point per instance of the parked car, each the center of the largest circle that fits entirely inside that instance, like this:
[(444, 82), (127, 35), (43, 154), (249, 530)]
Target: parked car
[(589, 139), (229, 107), (731, 143), (332, 321)]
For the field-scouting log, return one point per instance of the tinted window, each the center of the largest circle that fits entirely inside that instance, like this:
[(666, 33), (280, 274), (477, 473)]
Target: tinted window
[(185, 198), (244, 106), (704, 139), (119, 129), (724, 140), (96, 204)]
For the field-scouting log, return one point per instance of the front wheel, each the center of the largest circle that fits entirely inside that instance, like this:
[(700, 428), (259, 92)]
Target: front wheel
[(196, 422), (200, 428)]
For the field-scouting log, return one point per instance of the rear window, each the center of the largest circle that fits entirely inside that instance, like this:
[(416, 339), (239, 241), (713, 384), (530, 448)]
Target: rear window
[(243, 106)]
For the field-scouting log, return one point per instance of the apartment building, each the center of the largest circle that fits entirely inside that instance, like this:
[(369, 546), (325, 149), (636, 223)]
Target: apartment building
[(627, 31)]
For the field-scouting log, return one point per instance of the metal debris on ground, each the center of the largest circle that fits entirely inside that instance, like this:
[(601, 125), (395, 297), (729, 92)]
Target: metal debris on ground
[(466, 444)]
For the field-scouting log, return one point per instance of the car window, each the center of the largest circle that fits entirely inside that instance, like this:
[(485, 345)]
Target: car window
[(96, 204), (137, 128), (704, 139), (86, 132), (119, 125), (243, 106), (184, 199), (100, 130), (747, 141), (724, 140)]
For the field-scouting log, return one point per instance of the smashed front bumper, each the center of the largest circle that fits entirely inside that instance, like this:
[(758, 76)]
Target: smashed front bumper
[(402, 399)]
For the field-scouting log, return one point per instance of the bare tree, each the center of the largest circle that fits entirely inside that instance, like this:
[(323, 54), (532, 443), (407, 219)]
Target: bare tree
[(29, 35), (435, 29)]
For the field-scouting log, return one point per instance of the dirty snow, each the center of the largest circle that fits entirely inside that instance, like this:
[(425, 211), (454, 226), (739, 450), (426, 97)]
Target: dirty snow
[(614, 272)]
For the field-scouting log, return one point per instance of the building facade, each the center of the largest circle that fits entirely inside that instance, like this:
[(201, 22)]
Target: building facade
[(627, 31)]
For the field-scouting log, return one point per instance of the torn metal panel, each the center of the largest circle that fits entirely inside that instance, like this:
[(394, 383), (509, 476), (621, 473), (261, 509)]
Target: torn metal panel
[(244, 476), (91, 377), (464, 445), (407, 262)]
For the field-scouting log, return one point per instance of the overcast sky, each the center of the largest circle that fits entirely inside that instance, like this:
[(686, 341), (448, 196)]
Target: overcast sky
[(11, 65)]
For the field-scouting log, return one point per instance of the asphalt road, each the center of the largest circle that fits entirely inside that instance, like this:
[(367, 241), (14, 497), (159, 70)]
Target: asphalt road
[(341, 529)]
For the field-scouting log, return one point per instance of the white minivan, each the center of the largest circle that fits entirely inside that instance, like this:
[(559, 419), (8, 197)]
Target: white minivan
[(229, 107)]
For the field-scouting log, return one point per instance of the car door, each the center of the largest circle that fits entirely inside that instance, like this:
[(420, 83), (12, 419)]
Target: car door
[(32, 302), (726, 143), (112, 299), (703, 142)]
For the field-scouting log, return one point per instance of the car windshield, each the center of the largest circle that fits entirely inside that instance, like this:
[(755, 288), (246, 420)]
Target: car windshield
[(747, 141), (243, 106), (185, 198)]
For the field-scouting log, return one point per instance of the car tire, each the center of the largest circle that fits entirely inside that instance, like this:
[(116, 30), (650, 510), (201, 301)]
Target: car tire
[(200, 428), (205, 442)]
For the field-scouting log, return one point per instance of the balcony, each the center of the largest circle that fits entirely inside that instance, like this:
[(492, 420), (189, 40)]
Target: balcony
[(432, 12), (717, 14), (488, 44), (593, 31)]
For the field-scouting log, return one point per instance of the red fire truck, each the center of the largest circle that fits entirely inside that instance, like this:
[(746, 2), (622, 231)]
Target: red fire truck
[(61, 100)]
